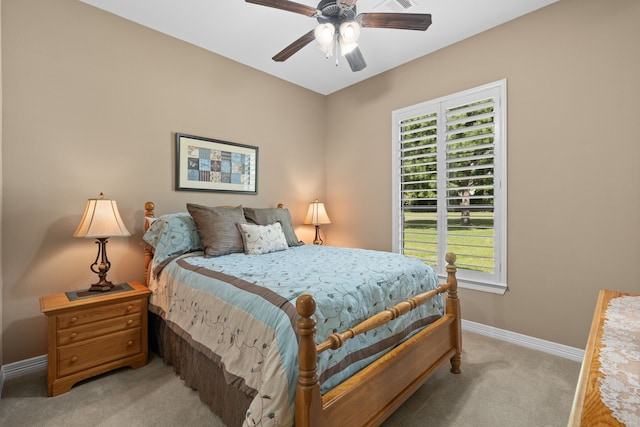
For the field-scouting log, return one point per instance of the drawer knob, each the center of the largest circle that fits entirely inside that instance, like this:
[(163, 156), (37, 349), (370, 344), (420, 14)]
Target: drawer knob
[(129, 307), (74, 359), (73, 335), (130, 322), (130, 343), (73, 320)]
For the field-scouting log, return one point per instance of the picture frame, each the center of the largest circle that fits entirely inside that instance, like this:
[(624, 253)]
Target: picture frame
[(205, 164)]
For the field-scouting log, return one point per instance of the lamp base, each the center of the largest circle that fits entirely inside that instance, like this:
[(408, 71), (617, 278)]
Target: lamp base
[(318, 240), (86, 293), (101, 268), (101, 286)]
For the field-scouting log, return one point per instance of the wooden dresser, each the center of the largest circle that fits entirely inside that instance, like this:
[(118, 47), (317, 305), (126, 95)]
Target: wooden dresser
[(588, 406), (92, 335)]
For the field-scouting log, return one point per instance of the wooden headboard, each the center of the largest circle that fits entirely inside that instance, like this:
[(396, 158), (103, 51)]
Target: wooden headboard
[(148, 251)]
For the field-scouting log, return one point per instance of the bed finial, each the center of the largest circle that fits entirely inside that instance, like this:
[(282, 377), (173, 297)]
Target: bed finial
[(450, 257), (148, 209), (306, 305), (451, 274)]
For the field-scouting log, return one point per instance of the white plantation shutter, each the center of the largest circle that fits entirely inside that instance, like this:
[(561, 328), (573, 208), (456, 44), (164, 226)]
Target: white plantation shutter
[(418, 144), (449, 180)]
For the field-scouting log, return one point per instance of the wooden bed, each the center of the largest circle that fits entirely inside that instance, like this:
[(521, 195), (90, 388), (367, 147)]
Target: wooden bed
[(385, 384)]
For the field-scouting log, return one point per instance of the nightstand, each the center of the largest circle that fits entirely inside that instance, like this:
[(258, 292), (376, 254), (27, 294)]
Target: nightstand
[(92, 335)]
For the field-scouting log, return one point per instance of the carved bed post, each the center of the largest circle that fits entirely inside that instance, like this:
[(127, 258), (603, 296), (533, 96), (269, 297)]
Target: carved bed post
[(307, 413), (453, 306), (148, 253)]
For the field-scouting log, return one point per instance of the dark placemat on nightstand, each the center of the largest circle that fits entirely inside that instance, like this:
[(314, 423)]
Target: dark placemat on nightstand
[(74, 295)]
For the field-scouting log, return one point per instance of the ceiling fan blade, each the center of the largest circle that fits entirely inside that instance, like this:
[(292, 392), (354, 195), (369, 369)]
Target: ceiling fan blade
[(356, 60), (400, 21), (288, 51), (289, 6)]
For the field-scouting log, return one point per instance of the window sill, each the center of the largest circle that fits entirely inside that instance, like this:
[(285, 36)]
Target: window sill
[(489, 287)]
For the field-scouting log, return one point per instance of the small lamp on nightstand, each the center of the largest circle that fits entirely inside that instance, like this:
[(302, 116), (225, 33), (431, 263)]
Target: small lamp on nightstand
[(317, 215), (101, 220)]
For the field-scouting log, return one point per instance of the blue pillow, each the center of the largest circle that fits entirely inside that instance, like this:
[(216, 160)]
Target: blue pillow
[(172, 235)]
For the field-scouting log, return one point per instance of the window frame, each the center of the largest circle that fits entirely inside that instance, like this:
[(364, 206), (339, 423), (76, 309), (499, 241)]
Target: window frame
[(488, 282)]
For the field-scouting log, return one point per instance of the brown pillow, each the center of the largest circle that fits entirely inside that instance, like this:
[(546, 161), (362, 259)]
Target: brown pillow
[(266, 216), (218, 228)]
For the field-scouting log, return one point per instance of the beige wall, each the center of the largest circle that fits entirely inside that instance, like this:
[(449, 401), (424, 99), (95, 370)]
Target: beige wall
[(91, 103), (572, 72)]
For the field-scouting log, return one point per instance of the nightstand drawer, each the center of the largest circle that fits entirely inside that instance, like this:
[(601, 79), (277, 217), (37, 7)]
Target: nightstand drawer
[(94, 314), (91, 330), (78, 357)]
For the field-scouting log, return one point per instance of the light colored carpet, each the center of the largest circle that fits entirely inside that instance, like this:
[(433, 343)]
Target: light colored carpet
[(501, 385)]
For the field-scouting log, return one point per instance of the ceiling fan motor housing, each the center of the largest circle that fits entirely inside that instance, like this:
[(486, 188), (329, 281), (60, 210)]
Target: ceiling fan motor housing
[(334, 12)]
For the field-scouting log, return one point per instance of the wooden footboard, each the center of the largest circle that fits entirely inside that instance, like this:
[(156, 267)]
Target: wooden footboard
[(385, 384)]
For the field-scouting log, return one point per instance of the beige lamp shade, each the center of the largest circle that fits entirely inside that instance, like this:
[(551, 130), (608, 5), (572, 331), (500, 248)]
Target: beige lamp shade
[(101, 219), (317, 214)]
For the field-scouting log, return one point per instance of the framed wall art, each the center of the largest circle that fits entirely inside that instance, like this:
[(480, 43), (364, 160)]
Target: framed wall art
[(204, 164)]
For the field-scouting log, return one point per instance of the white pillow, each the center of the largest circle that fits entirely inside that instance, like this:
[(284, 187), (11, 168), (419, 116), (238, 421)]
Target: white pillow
[(262, 239)]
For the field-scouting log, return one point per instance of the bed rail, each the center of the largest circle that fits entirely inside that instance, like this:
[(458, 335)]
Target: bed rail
[(337, 339)]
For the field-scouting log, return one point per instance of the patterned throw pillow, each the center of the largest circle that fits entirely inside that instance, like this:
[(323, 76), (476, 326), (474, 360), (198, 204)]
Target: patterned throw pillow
[(262, 239), (266, 216), (172, 235)]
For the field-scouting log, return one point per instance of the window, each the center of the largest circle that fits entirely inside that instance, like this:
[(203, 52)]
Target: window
[(449, 184)]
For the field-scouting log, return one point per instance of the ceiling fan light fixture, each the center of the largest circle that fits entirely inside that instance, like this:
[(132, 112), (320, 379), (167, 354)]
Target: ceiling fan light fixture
[(325, 34), (327, 50), (326, 37), (349, 32), (346, 48)]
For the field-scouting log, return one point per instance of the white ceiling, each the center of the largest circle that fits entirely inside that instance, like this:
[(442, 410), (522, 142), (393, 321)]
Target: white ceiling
[(251, 34)]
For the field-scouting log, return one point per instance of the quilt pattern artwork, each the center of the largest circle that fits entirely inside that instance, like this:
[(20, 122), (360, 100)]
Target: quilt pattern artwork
[(204, 164), (209, 165)]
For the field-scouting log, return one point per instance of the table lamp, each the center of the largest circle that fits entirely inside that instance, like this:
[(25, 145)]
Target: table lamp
[(101, 220), (317, 215)]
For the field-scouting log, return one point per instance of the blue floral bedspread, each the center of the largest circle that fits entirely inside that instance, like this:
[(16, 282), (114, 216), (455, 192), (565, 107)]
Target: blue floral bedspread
[(242, 309)]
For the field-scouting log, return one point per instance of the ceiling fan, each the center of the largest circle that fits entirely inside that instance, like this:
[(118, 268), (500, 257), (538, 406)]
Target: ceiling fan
[(339, 25)]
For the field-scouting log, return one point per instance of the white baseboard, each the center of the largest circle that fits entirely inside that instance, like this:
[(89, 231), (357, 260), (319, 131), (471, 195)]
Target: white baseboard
[(22, 367), (561, 350), (39, 363), (1, 379)]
